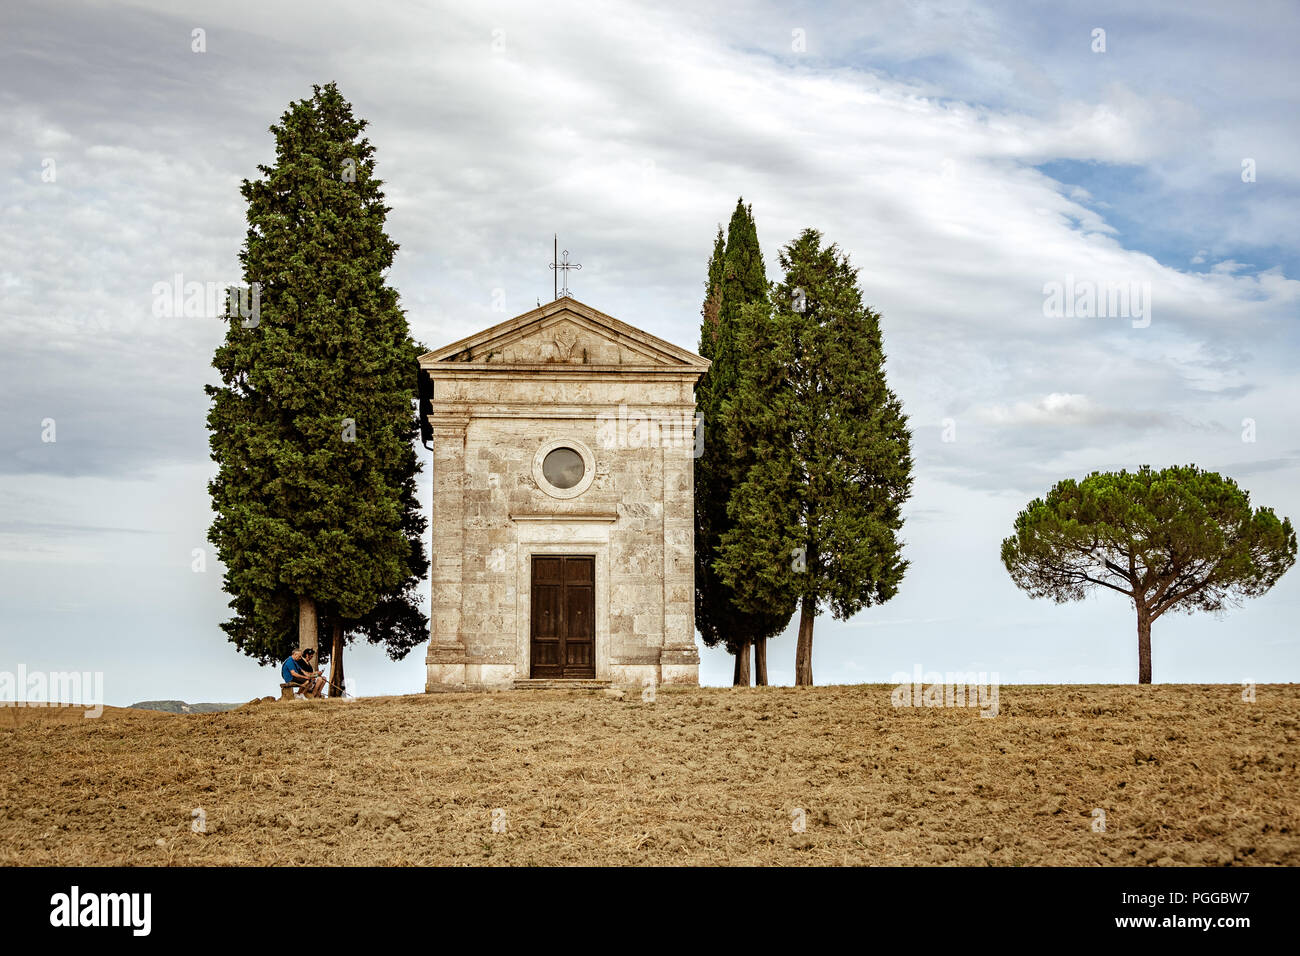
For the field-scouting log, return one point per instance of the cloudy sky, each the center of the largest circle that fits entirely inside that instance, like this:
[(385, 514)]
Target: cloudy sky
[(966, 155)]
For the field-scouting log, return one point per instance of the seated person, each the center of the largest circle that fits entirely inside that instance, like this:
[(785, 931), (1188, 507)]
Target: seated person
[(308, 667), (297, 670)]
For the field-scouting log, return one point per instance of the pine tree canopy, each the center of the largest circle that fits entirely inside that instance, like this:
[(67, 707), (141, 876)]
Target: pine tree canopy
[(1178, 539)]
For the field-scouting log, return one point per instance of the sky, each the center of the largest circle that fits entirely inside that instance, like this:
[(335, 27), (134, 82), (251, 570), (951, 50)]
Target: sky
[(968, 157)]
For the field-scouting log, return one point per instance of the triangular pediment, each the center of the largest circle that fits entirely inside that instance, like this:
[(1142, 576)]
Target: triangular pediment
[(564, 333)]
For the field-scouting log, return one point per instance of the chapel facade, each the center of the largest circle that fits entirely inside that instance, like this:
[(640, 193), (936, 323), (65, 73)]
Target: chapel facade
[(563, 444)]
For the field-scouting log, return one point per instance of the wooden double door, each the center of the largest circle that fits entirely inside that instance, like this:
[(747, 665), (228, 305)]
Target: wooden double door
[(563, 620)]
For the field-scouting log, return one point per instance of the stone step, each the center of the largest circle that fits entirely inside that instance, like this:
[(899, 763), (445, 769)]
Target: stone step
[(560, 683)]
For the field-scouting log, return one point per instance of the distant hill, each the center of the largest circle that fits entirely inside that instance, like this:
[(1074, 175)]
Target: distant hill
[(180, 707)]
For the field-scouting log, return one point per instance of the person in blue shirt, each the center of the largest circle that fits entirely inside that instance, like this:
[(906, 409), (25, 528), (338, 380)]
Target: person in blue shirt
[(295, 671)]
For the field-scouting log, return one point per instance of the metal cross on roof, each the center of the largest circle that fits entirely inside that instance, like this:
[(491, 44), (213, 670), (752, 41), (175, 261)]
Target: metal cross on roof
[(562, 265)]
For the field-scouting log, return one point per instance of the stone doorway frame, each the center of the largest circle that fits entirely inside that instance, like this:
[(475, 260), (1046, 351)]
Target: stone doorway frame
[(560, 535)]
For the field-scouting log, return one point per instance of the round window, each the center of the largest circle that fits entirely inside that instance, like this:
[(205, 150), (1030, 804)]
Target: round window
[(563, 468)]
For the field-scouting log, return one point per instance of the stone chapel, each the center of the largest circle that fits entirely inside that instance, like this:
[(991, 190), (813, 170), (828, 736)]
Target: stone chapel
[(563, 444)]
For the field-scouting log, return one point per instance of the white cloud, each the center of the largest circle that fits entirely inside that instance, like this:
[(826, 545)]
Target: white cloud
[(1060, 409)]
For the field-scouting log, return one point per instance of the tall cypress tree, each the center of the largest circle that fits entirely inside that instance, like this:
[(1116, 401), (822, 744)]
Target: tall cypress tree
[(736, 279), (817, 517), (313, 426)]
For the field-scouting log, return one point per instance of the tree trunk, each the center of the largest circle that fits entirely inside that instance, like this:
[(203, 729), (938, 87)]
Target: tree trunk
[(760, 662), (740, 677), (803, 652), (336, 662), (307, 636), (1144, 646)]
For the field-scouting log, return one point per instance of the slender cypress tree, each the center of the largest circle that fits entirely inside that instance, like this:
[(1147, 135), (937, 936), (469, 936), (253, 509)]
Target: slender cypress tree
[(817, 516), (736, 278), (313, 426)]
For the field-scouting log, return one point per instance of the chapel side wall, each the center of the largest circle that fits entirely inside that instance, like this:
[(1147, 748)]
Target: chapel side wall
[(680, 659), (445, 659)]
